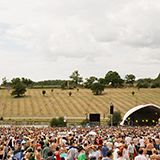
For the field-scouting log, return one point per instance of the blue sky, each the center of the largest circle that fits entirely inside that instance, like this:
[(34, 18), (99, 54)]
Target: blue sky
[(50, 39)]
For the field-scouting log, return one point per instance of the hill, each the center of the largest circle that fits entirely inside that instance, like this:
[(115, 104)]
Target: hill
[(59, 103)]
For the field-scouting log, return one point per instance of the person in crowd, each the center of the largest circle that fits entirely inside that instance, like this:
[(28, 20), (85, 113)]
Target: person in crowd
[(115, 154), (120, 156), (50, 155), (57, 153), (81, 155), (45, 150), (95, 153), (126, 152), (104, 149), (140, 156), (131, 149), (149, 147), (38, 154)]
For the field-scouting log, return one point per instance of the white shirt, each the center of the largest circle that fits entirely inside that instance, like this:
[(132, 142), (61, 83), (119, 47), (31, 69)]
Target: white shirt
[(131, 148), (140, 157), (115, 154), (141, 141), (128, 139)]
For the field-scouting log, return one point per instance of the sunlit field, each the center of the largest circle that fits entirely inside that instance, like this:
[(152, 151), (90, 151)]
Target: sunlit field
[(59, 103)]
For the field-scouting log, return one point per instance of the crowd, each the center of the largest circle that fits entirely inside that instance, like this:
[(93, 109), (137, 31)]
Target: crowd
[(98, 143)]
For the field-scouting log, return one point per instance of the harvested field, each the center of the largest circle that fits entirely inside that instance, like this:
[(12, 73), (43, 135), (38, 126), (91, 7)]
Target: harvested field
[(59, 103)]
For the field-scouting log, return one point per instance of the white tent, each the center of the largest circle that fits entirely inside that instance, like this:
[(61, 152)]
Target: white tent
[(135, 109)]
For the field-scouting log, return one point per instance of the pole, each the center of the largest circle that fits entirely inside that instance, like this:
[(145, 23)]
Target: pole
[(111, 113), (111, 120)]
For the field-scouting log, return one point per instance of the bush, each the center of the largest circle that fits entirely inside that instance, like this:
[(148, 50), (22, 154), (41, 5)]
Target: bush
[(57, 122), (1, 119), (53, 122), (63, 85), (84, 122), (116, 118), (51, 90), (133, 93), (43, 92), (70, 93)]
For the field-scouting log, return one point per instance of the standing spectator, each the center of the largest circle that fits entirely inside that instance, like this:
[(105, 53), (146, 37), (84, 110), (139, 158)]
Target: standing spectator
[(81, 155), (154, 155), (140, 156), (100, 152), (38, 153), (131, 149), (45, 150), (142, 142), (72, 153), (109, 156), (149, 147), (120, 157), (50, 155), (126, 152), (57, 153), (94, 153), (104, 149), (115, 154), (109, 144)]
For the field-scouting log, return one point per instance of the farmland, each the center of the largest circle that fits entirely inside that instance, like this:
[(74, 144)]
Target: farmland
[(58, 103)]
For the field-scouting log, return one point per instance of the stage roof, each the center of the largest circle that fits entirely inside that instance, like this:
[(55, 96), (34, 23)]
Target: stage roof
[(131, 111)]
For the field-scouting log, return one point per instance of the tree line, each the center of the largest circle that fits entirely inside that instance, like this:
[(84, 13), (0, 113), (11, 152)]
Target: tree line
[(97, 85)]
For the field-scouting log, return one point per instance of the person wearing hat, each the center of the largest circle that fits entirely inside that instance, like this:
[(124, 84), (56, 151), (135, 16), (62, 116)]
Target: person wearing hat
[(81, 155), (104, 149), (115, 154)]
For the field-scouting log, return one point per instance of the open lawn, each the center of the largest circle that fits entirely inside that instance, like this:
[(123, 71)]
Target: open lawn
[(59, 103)]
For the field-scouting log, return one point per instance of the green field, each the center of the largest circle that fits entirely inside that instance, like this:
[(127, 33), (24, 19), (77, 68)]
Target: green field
[(58, 103)]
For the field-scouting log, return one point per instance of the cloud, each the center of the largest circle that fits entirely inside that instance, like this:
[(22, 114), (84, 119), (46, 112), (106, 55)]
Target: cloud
[(100, 35)]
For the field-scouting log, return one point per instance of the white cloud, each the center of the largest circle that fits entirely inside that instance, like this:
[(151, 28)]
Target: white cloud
[(92, 36)]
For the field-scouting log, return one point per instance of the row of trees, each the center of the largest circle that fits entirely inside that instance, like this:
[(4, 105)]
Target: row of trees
[(113, 79), (97, 85)]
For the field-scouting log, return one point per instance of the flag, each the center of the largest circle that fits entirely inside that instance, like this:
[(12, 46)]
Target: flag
[(64, 118), (8, 87), (68, 84)]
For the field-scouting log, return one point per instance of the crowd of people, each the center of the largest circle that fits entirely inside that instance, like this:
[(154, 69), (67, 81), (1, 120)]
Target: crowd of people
[(97, 143)]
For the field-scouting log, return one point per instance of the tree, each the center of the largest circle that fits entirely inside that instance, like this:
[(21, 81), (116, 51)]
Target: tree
[(26, 81), (116, 118), (84, 122), (43, 92), (63, 85), (61, 122), (102, 81), (14, 81), (19, 89), (113, 78), (57, 122), (53, 122), (90, 81), (130, 79), (4, 81), (97, 88), (76, 77)]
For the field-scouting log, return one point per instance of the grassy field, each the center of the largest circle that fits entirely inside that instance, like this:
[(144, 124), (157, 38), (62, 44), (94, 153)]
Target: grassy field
[(58, 103)]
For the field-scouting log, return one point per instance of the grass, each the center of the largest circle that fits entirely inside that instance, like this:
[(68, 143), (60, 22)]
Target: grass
[(58, 103)]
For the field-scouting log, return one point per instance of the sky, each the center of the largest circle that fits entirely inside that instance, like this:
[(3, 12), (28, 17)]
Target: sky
[(50, 39)]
